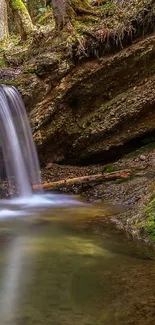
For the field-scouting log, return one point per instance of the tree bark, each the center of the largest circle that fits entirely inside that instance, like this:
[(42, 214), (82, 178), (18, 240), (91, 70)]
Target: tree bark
[(3, 20), (21, 18), (59, 10)]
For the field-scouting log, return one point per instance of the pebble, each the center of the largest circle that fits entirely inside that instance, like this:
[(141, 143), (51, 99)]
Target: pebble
[(142, 157)]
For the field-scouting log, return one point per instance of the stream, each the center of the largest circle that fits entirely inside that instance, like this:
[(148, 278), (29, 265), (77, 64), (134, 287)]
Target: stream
[(55, 270), (57, 267)]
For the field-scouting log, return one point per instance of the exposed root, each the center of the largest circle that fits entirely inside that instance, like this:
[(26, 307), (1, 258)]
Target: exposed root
[(86, 12)]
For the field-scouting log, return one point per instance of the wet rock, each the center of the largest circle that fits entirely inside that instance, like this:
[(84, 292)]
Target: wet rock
[(77, 121)]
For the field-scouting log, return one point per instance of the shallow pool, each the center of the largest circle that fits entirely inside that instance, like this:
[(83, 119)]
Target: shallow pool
[(54, 271)]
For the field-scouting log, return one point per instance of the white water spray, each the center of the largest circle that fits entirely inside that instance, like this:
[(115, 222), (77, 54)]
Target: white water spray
[(21, 160), (19, 151)]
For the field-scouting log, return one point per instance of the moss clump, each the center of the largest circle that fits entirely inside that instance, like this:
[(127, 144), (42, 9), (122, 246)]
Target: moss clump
[(3, 63), (108, 9), (10, 83), (148, 225), (45, 18), (17, 5), (110, 168)]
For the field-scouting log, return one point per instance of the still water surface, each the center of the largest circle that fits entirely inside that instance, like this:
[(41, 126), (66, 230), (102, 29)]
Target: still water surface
[(53, 271)]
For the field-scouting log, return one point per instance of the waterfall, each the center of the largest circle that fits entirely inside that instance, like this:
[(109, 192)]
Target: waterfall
[(21, 161), (17, 143)]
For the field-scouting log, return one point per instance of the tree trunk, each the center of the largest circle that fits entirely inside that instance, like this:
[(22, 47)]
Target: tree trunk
[(21, 18), (66, 11), (90, 179), (3, 20)]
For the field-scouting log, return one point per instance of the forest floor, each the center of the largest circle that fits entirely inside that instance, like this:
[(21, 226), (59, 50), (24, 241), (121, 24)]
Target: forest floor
[(142, 160)]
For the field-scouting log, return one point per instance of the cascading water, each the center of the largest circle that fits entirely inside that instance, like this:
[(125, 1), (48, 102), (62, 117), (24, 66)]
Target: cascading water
[(23, 131), (17, 143), (21, 161)]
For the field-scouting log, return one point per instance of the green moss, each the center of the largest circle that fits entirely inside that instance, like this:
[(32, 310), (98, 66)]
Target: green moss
[(24, 22), (110, 168), (79, 27), (108, 8), (122, 180), (10, 83), (79, 3), (3, 63), (45, 18), (17, 5), (89, 20), (148, 225)]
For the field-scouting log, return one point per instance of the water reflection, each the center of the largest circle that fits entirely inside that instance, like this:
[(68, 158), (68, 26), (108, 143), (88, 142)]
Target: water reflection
[(10, 291), (54, 272)]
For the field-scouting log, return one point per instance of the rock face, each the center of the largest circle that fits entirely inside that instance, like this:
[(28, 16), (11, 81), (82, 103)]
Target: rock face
[(85, 109), (93, 110)]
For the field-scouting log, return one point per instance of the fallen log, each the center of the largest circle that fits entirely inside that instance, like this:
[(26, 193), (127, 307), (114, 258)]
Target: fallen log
[(98, 178)]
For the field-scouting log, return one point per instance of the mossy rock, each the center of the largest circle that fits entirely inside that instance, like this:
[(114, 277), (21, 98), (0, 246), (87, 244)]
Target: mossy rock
[(148, 225)]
